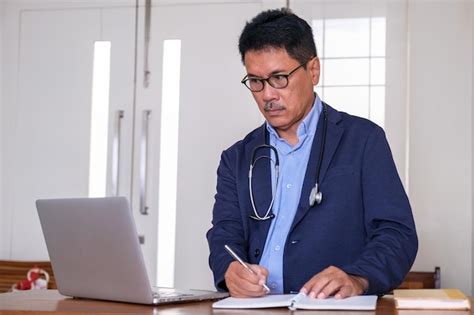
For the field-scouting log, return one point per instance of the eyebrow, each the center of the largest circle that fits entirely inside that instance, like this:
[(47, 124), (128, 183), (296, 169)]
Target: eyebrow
[(272, 73)]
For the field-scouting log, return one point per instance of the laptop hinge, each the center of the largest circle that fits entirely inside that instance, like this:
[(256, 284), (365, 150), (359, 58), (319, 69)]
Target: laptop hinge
[(156, 298)]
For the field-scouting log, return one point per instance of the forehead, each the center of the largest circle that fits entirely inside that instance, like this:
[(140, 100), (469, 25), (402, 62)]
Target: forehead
[(266, 61)]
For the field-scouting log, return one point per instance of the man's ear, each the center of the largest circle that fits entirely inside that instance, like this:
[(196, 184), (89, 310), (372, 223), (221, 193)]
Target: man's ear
[(315, 70)]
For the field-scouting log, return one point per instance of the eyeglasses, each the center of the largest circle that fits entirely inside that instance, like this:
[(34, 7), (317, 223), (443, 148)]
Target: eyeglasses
[(277, 81)]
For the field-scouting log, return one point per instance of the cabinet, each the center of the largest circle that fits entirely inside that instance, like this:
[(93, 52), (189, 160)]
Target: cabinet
[(47, 99), (46, 123)]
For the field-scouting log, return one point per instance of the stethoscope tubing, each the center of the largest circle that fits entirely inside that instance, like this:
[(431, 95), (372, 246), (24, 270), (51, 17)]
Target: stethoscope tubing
[(314, 191), (277, 175)]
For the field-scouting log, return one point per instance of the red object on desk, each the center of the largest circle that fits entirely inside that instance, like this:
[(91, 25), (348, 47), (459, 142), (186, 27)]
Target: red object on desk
[(33, 280)]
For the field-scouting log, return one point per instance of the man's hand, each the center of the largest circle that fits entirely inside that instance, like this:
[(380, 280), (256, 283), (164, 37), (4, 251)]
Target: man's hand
[(334, 281), (243, 283)]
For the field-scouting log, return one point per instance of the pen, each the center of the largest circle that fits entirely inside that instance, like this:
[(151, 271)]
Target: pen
[(236, 257)]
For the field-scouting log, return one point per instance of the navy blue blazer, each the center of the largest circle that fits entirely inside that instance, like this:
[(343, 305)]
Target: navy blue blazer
[(364, 224)]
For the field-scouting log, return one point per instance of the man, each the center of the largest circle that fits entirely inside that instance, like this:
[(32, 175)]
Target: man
[(360, 238)]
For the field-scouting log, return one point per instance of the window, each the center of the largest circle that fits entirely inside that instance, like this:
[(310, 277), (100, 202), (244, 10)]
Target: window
[(99, 120), (352, 54), (168, 162)]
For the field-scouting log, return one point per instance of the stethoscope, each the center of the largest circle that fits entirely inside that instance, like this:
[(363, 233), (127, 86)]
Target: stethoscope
[(315, 196)]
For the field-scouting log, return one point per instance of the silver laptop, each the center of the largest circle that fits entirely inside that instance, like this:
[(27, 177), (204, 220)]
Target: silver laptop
[(94, 251)]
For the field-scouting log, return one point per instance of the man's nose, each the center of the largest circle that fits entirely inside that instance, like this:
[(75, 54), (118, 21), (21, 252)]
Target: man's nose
[(269, 92)]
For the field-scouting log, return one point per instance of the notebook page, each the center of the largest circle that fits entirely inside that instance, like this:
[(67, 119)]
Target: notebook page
[(275, 300), (365, 302)]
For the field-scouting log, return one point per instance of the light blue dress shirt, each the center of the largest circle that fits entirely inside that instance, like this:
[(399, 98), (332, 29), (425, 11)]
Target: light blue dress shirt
[(293, 163)]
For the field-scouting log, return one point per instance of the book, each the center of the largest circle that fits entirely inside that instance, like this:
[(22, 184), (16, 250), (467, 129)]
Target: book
[(452, 299), (300, 301)]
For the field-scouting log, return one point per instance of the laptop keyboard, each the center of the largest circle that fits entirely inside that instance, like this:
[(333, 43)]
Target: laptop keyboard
[(169, 292)]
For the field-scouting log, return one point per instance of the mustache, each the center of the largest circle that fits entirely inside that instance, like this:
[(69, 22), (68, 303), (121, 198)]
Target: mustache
[(272, 106)]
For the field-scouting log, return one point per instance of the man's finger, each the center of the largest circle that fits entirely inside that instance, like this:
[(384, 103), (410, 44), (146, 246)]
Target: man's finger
[(243, 283), (333, 286), (316, 284), (343, 292)]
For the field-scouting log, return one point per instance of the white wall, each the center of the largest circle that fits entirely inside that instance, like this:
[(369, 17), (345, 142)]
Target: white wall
[(472, 155), (3, 220), (396, 84), (8, 118), (440, 147)]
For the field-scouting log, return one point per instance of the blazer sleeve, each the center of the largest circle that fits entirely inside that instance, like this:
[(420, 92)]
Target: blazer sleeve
[(226, 223), (392, 242)]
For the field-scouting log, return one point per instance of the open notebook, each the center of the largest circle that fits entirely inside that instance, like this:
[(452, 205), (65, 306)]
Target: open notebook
[(301, 301)]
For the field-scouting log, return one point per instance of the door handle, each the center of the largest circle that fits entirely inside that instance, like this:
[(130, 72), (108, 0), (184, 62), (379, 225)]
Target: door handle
[(144, 161)]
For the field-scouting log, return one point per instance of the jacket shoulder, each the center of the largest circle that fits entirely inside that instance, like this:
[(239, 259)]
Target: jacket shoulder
[(353, 123)]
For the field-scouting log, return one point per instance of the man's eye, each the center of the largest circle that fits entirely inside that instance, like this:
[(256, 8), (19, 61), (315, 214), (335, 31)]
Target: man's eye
[(279, 77)]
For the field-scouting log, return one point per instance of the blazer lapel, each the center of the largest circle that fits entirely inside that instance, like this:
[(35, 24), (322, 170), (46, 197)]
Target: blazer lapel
[(333, 137)]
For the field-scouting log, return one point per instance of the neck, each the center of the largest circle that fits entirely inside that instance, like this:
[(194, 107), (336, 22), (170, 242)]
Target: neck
[(291, 134)]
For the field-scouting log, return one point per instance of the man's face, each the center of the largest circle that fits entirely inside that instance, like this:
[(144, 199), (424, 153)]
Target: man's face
[(283, 108)]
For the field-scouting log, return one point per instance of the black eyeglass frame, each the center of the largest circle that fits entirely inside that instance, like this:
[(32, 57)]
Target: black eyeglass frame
[(263, 80)]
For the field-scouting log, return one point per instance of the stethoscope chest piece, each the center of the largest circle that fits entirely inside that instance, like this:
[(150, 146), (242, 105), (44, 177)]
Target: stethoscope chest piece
[(315, 197)]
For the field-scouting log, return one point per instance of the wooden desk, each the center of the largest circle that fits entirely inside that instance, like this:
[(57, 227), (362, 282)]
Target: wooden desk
[(50, 301)]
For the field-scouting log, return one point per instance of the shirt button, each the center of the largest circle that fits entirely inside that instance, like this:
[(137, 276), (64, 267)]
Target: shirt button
[(273, 285), (288, 186), (277, 247)]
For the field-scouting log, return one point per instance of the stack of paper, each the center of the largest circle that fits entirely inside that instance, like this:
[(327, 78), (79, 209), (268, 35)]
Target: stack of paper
[(431, 299)]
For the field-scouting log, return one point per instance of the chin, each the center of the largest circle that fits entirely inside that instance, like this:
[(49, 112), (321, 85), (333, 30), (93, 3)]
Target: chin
[(277, 124)]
